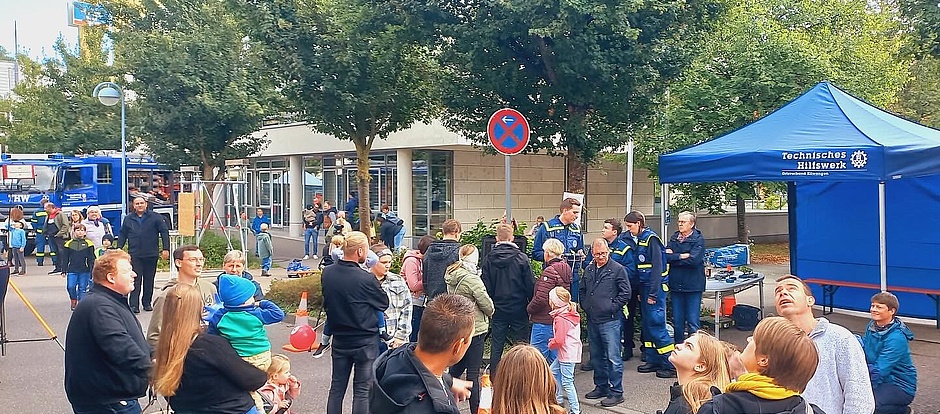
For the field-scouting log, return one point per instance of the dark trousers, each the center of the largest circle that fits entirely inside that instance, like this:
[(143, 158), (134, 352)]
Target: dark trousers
[(629, 324), (146, 269), (355, 360), (890, 399), (416, 313), (471, 363), (57, 245), (516, 330), (121, 407), (686, 311)]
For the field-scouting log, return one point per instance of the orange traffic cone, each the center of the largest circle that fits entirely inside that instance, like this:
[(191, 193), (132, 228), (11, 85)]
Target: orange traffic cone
[(302, 338), (486, 394)]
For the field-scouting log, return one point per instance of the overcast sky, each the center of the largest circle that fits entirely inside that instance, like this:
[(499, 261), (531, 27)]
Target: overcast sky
[(39, 24)]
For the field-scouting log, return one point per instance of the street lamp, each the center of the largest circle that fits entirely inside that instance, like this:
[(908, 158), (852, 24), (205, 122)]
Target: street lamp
[(109, 94)]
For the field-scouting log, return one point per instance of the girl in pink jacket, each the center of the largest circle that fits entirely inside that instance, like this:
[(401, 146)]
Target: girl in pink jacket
[(282, 387), (566, 324)]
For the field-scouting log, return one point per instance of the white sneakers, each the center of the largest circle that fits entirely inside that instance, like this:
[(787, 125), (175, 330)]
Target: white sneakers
[(315, 257), (307, 257)]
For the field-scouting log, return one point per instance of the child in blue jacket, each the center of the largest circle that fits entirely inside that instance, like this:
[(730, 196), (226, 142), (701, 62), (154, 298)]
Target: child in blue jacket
[(18, 247), (241, 320)]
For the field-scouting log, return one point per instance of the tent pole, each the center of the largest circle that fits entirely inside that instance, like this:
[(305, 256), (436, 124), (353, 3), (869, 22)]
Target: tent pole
[(629, 176), (882, 243), (664, 206)]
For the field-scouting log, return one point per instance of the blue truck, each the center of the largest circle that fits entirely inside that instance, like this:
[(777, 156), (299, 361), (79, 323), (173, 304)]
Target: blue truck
[(77, 182)]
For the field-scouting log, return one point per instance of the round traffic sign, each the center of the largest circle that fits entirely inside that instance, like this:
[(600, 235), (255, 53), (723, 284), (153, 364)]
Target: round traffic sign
[(508, 131)]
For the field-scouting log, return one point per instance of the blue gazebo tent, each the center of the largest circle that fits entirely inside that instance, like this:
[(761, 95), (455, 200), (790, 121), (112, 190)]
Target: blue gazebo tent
[(847, 164)]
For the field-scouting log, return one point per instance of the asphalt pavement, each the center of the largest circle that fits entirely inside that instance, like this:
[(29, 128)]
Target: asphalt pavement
[(31, 374)]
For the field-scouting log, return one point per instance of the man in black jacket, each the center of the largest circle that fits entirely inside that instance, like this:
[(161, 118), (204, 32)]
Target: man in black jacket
[(509, 281), (408, 378), (440, 254), (605, 289), (142, 230), (351, 298), (107, 359)]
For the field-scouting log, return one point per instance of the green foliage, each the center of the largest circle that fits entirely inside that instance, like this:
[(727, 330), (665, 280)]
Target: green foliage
[(200, 88), (582, 73), (920, 98), (398, 256), (54, 110), (922, 19), (286, 293), (351, 68), (214, 246)]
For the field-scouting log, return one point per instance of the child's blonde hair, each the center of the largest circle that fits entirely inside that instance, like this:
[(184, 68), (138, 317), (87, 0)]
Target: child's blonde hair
[(280, 364), (337, 240), (562, 294)]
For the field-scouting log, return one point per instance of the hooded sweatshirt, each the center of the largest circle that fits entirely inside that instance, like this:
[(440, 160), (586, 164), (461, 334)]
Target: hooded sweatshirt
[(402, 384), (889, 355), (508, 277), (567, 338), (440, 254), (413, 274), (743, 402)]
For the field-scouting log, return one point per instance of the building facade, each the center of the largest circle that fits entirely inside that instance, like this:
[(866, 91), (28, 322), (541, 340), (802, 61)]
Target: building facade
[(427, 174)]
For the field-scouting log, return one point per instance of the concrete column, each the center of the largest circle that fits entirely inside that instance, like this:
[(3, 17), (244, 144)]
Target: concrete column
[(296, 175), (404, 194)]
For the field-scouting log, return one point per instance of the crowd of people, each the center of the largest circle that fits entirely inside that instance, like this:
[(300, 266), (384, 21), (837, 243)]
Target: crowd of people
[(415, 341)]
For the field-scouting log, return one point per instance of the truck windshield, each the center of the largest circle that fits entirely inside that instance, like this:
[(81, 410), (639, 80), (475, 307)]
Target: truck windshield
[(43, 181)]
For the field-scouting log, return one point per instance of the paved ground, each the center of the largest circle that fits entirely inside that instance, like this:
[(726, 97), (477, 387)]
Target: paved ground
[(31, 374)]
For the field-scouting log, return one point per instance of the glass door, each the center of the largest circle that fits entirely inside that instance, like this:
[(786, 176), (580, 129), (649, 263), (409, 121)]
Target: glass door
[(272, 191)]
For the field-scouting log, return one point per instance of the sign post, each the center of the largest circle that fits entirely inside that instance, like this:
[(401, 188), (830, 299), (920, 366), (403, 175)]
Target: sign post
[(508, 132)]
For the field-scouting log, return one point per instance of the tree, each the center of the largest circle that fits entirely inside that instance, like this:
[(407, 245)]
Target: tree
[(199, 87), (351, 68), (53, 110), (922, 19), (765, 53), (920, 98), (584, 74)]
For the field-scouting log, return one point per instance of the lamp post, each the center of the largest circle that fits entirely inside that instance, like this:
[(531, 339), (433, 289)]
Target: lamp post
[(109, 94)]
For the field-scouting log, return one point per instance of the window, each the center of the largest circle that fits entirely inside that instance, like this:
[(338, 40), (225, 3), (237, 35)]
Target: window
[(104, 174), (432, 173)]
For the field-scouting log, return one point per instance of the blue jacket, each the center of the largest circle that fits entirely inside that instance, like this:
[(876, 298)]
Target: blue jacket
[(623, 253), (889, 356), (687, 275), (604, 291), (256, 223), (651, 260), (17, 238), (569, 235)]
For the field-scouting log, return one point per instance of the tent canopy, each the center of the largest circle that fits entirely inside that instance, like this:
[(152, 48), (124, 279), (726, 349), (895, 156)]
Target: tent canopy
[(823, 135)]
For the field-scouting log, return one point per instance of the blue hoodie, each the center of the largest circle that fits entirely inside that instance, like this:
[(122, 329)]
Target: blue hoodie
[(889, 356)]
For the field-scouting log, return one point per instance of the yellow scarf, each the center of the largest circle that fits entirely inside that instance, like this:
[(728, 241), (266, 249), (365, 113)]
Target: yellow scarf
[(760, 386)]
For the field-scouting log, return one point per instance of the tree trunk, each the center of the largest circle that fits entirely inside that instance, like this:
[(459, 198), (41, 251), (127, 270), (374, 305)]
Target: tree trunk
[(362, 182), (740, 213), (576, 181)]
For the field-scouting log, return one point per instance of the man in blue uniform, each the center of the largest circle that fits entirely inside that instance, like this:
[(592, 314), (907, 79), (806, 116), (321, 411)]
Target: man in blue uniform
[(653, 270), (564, 227), (39, 222)]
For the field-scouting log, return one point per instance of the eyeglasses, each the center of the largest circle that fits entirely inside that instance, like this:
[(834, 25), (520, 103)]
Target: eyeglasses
[(600, 253), (195, 259)]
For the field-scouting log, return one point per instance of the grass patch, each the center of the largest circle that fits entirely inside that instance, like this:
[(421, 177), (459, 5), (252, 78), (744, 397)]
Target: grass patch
[(770, 253)]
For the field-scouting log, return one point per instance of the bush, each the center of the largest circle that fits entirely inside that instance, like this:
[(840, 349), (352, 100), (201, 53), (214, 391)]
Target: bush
[(397, 257), (286, 293), (214, 247)]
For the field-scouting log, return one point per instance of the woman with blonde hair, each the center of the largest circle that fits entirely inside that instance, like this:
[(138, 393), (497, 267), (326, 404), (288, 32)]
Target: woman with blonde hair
[(701, 363), (524, 384), (198, 372), (463, 279)]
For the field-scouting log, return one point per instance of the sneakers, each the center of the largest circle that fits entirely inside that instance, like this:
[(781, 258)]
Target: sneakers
[(306, 256), (612, 400), (321, 350), (315, 257), (596, 394)]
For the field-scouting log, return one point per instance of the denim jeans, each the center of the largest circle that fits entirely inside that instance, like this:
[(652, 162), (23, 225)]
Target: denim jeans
[(266, 264), (121, 407), (564, 385), (604, 339), (471, 363), (686, 309), (515, 330), (891, 399), (355, 360), (541, 333), (400, 238), (77, 285), (311, 234)]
